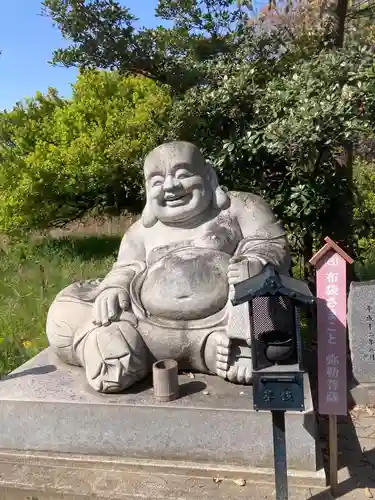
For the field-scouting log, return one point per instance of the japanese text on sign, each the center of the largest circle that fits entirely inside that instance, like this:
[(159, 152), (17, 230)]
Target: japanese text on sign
[(331, 290), (370, 334)]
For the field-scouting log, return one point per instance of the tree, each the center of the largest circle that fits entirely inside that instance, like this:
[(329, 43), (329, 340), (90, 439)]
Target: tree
[(103, 35), (240, 86), (329, 18), (60, 159), (278, 128), (319, 26)]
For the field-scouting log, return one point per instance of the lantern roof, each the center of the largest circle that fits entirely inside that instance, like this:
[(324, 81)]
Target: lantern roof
[(269, 282)]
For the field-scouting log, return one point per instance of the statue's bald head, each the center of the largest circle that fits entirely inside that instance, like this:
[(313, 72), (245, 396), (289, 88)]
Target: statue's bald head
[(180, 185), (171, 154)]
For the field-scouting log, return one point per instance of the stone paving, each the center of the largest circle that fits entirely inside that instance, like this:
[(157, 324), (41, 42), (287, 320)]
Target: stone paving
[(356, 452), (356, 463)]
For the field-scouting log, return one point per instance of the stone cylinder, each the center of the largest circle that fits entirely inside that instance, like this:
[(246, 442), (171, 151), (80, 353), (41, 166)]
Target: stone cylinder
[(165, 380)]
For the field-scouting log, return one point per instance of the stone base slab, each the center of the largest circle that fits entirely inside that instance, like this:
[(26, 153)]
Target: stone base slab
[(47, 407), (60, 476)]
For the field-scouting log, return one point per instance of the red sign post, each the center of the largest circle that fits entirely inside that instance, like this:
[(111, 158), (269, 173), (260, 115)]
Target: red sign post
[(330, 263)]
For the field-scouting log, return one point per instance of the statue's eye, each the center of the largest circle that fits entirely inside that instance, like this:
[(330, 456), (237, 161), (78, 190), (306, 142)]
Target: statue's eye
[(183, 174), (157, 181)]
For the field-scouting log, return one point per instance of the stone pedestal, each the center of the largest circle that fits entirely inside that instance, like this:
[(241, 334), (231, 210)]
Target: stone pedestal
[(363, 394), (361, 327), (51, 421)]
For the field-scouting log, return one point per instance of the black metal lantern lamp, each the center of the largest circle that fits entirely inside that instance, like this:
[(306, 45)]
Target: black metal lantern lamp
[(276, 343), (276, 350)]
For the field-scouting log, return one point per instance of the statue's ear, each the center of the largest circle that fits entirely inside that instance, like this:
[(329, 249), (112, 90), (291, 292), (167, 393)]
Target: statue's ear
[(220, 199), (148, 216)]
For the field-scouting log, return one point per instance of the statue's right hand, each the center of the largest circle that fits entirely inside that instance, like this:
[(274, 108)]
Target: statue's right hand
[(109, 304)]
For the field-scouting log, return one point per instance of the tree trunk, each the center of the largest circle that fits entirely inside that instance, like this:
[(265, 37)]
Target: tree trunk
[(339, 31), (334, 12), (308, 244), (342, 229)]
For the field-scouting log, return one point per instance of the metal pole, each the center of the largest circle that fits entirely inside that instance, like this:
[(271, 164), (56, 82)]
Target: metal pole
[(279, 449)]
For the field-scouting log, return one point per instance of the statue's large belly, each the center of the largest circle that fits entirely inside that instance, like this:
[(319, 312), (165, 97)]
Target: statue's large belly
[(187, 284)]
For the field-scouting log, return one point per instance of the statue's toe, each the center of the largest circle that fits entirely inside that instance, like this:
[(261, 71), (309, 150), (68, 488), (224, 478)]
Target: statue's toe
[(223, 342), (240, 363), (216, 354), (222, 361), (239, 374), (221, 373), (222, 354)]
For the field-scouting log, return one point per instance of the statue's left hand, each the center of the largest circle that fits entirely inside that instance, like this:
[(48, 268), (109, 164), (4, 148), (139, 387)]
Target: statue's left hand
[(242, 268), (108, 305)]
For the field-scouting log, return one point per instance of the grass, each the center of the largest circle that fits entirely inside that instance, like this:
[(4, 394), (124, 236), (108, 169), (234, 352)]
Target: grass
[(31, 274)]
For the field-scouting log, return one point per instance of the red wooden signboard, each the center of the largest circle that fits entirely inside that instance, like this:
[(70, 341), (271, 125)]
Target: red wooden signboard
[(330, 263)]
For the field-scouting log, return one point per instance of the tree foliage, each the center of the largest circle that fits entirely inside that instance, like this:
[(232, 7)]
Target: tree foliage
[(59, 158), (276, 100), (279, 129), (364, 213), (103, 35)]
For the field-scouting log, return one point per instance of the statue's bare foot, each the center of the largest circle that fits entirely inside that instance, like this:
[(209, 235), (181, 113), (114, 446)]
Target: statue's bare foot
[(222, 354), (217, 353), (240, 368)]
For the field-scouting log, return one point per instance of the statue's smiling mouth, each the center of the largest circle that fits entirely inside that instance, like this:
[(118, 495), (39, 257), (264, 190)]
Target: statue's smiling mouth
[(172, 200)]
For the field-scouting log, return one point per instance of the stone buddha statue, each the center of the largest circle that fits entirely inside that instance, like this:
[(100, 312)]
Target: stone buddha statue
[(168, 293)]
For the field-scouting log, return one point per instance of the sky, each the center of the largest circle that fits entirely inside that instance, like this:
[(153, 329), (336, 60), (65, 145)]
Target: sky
[(27, 41)]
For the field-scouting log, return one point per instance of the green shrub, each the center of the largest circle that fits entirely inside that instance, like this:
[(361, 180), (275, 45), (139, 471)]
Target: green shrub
[(60, 159), (279, 127), (364, 211)]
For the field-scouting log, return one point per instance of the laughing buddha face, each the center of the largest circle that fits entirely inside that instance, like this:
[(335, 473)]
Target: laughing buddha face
[(179, 185)]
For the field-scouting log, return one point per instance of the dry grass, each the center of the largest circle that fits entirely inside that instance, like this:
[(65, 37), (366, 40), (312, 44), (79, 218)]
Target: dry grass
[(100, 226)]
